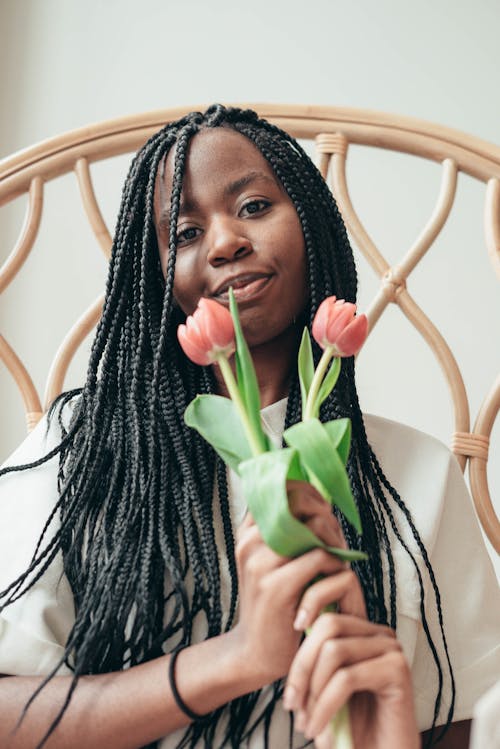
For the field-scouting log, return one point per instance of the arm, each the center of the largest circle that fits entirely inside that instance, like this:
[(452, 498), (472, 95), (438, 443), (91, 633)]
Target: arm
[(134, 707), (127, 709)]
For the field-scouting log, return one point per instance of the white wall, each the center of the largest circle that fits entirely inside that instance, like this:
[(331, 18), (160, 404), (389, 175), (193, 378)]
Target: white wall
[(66, 63)]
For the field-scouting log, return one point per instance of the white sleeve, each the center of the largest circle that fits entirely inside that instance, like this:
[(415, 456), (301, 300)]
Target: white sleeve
[(471, 608), (429, 480), (34, 628)]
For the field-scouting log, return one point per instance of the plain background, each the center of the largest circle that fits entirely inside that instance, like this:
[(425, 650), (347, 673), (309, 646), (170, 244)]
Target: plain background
[(66, 64)]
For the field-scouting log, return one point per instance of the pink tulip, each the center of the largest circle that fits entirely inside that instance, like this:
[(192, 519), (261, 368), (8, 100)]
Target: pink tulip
[(335, 324), (208, 332)]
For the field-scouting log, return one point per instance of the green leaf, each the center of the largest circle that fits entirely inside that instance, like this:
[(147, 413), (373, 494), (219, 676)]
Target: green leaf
[(328, 384), (217, 420), (264, 486), (247, 379), (339, 431), (305, 366), (324, 467)]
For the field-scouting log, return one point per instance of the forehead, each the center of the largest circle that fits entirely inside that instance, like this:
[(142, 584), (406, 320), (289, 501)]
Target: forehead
[(214, 156)]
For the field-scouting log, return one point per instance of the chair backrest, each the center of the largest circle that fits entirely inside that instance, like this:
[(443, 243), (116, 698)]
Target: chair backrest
[(333, 130)]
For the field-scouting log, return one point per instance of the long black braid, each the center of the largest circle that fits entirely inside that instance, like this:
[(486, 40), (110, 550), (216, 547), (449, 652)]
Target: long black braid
[(136, 485)]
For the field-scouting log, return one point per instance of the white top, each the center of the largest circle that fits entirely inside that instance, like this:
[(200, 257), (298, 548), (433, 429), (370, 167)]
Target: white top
[(427, 476), (486, 726)]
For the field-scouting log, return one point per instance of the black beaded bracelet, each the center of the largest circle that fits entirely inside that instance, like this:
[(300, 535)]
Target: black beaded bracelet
[(180, 702)]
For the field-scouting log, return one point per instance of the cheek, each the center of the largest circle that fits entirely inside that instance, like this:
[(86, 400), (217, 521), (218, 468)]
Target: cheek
[(187, 289)]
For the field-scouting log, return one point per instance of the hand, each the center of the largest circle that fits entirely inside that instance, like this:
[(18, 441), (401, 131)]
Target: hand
[(272, 586), (347, 658)]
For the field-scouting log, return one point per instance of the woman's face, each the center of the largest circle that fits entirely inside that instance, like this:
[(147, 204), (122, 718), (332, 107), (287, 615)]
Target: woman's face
[(238, 227)]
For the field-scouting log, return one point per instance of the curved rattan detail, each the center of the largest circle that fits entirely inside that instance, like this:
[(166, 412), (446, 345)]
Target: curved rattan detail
[(436, 222), (394, 278), (27, 236), (68, 348), (334, 130), (32, 406), (472, 155), (492, 222), (447, 362), (393, 287), (91, 206), (363, 240), (478, 467)]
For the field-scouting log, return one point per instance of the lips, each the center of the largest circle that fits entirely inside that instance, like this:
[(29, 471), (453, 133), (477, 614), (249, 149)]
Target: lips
[(244, 285)]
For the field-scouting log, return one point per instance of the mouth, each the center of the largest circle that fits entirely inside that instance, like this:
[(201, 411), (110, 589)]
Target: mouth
[(244, 287)]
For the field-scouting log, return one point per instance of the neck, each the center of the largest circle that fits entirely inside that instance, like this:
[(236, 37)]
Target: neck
[(274, 362)]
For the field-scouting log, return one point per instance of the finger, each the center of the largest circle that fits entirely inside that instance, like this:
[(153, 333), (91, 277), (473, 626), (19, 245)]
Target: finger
[(300, 571), (325, 739), (247, 522), (337, 654), (303, 498), (305, 489), (388, 672), (327, 626), (252, 553), (248, 537), (327, 530), (342, 588), (310, 508)]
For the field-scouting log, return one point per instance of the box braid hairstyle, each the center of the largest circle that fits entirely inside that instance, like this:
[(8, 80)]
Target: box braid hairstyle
[(135, 484)]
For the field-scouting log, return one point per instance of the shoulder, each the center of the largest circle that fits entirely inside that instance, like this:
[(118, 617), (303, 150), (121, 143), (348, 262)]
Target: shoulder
[(29, 494), (45, 436), (421, 469), (388, 437)]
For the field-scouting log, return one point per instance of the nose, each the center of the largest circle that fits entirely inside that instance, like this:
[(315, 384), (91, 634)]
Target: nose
[(227, 243)]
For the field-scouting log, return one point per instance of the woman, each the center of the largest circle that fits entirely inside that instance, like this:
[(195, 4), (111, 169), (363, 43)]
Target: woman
[(148, 561)]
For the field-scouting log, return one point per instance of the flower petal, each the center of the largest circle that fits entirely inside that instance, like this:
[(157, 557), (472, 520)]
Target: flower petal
[(196, 333), (216, 322), (338, 319), (352, 338), (195, 353), (321, 320)]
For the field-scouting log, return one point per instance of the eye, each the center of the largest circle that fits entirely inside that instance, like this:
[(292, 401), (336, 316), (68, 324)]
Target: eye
[(186, 235), (255, 206)]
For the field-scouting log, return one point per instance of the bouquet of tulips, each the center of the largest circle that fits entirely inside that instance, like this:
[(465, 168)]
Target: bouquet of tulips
[(316, 452)]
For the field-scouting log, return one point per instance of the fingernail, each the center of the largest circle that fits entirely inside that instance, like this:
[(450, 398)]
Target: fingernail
[(300, 720), (300, 620), (290, 698)]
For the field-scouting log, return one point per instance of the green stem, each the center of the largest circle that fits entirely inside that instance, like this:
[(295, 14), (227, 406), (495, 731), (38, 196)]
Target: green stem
[(318, 378), (235, 396), (340, 726)]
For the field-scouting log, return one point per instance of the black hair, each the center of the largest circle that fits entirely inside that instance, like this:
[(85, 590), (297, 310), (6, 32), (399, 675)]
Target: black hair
[(136, 485)]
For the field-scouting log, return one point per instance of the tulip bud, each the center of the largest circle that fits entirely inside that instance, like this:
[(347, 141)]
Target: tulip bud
[(336, 325), (208, 333)]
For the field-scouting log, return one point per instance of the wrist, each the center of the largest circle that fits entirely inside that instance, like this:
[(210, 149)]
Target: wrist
[(216, 671), (245, 670)]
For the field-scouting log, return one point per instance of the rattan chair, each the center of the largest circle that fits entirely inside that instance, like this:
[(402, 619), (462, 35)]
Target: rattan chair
[(332, 129)]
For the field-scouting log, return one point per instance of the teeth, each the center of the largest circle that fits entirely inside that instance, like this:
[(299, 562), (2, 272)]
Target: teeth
[(237, 285)]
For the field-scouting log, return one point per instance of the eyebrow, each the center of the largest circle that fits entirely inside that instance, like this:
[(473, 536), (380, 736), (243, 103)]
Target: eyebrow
[(229, 190), (238, 184)]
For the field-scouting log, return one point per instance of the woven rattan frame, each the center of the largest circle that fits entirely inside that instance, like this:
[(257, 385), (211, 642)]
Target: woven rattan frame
[(333, 129)]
